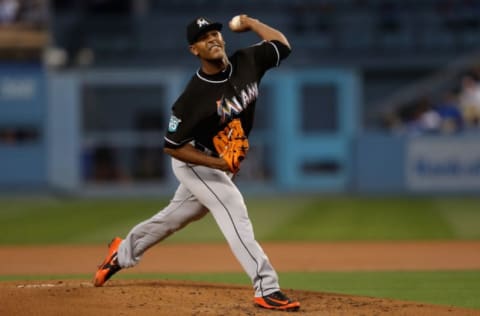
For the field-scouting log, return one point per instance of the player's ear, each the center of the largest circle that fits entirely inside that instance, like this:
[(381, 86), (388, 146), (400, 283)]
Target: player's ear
[(193, 50)]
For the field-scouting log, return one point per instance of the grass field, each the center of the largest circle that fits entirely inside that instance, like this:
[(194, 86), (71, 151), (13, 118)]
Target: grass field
[(48, 220), (306, 218)]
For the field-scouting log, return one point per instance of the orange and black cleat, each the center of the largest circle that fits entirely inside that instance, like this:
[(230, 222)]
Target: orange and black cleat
[(277, 301), (110, 265)]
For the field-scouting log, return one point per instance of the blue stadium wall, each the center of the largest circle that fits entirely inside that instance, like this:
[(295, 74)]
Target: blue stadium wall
[(23, 139), (307, 136)]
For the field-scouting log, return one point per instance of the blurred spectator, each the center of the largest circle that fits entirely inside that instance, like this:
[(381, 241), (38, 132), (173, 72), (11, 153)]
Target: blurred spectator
[(33, 13), (469, 100), (456, 109), (9, 10), (429, 120), (450, 114), (425, 119)]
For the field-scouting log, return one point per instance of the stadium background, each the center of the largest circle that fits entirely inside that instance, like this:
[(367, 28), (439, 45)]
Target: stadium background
[(353, 109), (368, 109)]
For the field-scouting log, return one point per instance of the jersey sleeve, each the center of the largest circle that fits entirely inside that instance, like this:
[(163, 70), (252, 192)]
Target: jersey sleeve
[(180, 125), (269, 54)]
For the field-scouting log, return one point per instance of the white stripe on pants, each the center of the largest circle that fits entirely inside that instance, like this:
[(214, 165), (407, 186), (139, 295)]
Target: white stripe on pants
[(202, 189)]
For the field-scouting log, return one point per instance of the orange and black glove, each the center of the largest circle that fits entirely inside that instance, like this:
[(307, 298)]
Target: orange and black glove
[(232, 145)]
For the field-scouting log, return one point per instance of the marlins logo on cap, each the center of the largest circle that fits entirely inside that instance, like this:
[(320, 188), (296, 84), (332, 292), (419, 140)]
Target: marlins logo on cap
[(200, 26), (202, 22)]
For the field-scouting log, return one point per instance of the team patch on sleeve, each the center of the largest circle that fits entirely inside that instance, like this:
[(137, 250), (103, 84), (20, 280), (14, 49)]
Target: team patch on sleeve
[(173, 124)]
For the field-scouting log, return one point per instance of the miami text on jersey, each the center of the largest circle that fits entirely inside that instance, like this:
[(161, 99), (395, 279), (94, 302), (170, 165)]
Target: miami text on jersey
[(226, 107)]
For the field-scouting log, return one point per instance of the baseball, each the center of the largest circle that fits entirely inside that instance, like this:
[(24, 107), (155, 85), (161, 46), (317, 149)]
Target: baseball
[(235, 23)]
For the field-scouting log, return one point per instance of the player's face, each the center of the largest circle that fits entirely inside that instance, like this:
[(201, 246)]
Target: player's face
[(209, 46)]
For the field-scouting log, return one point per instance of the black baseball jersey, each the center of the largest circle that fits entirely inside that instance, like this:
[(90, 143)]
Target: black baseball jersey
[(209, 102)]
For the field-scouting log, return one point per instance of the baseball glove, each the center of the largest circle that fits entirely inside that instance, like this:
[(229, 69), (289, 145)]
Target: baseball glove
[(231, 144)]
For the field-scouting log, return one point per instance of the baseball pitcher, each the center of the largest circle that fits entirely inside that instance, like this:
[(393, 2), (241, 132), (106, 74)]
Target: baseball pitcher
[(207, 139)]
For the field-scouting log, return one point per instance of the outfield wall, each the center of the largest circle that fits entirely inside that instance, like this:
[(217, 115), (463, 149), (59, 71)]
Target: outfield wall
[(101, 132), (23, 139), (426, 164)]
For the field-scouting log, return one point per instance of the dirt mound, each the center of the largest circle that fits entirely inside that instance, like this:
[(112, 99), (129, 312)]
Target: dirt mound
[(124, 298), (175, 298)]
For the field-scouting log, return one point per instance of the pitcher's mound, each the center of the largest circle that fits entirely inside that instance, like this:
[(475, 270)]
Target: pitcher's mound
[(176, 298)]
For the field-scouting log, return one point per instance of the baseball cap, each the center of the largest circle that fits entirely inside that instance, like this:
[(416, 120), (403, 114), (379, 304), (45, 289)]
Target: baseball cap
[(200, 26)]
